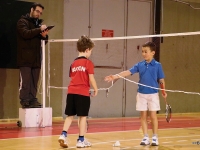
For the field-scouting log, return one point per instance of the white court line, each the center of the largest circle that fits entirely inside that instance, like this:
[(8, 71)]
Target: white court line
[(106, 142), (196, 139), (179, 128), (167, 142), (140, 139), (104, 133), (182, 140), (178, 137), (99, 143), (125, 148)]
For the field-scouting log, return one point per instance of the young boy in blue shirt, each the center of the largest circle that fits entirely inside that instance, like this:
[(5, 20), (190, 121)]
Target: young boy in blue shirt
[(150, 74)]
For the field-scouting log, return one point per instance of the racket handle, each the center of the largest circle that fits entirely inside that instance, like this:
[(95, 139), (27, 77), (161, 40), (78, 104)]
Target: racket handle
[(162, 87)]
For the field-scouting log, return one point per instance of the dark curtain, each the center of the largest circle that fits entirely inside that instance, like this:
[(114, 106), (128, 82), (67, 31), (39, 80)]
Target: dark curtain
[(10, 12)]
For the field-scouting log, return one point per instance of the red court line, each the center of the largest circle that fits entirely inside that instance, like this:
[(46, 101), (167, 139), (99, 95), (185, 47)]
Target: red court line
[(10, 130)]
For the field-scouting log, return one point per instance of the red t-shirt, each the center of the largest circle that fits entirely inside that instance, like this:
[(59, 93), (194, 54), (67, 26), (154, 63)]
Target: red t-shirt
[(79, 73)]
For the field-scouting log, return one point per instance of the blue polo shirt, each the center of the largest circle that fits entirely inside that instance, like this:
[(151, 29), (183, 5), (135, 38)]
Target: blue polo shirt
[(149, 74)]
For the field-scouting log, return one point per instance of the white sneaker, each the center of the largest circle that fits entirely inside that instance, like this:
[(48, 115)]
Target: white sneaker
[(63, 141), (145, 141), (80, 144), (154, 141), (85, 143)]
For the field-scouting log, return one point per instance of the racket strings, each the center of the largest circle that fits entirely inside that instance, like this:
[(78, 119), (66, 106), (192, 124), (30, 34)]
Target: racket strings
[(168, 113)]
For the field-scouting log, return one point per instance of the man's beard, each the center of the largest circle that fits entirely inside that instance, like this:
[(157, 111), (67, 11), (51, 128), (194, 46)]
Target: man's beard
[(34, 16)]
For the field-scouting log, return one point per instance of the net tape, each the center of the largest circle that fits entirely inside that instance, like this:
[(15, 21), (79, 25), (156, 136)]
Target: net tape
[(107, 89), (177, 91), (130, 37)]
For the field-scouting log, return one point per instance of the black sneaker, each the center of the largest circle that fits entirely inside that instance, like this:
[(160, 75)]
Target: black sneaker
[(25, 104), (35, 104), (38, 103)]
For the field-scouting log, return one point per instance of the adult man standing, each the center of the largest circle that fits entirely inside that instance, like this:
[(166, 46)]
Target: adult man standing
[(30, 32)]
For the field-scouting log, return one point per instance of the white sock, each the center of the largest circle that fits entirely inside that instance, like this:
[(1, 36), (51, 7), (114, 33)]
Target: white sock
[(146, 135), (155, 135)]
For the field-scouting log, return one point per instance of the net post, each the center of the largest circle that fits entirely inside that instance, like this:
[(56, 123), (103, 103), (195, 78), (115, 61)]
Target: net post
[(48, 72), (43, 82)]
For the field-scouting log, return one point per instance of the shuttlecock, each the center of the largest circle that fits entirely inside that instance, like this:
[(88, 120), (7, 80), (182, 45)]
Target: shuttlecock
[(116, 144)]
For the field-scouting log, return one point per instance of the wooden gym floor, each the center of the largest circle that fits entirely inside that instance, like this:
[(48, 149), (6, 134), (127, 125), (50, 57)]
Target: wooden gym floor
[(182, 133)]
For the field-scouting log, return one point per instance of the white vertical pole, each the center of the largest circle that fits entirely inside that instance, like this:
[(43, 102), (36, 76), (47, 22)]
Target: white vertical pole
[(43, 82)]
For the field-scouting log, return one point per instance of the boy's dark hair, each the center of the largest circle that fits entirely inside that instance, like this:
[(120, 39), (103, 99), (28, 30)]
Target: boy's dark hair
[(84, 43), (34, 5), (151, 45)]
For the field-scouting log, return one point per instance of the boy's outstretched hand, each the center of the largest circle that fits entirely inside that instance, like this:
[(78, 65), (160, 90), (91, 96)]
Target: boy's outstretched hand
[(109, 78), (117, 76)]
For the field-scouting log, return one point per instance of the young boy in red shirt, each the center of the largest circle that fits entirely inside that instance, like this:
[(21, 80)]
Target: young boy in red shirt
[(78, 96)]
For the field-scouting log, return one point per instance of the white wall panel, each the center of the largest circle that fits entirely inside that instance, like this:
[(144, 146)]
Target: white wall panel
[(76, 18), (76, 21), (107, 53), (139, 23)]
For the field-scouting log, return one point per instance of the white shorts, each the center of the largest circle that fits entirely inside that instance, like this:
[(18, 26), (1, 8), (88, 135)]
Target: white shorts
[(146, 102)]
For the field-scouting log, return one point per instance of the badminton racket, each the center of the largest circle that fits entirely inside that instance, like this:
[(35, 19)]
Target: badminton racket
[(168, 110)]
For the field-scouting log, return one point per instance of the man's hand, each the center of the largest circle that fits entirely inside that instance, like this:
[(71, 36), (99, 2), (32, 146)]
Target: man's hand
[(44, 33), (42, 27)]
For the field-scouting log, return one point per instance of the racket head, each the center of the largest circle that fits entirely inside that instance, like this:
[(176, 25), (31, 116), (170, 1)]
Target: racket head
[(168, 113)]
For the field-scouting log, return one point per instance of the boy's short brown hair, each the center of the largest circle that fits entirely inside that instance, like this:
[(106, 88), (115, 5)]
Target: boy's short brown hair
[(84, 43), (151, 45)]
